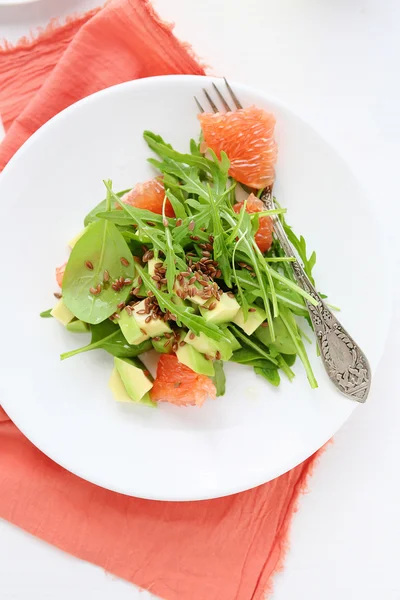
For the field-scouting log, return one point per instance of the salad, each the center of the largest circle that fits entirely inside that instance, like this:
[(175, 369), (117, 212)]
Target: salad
[(186, 265)]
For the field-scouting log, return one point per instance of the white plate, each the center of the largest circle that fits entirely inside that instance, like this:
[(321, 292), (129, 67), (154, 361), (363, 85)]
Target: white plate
[(255, 432)]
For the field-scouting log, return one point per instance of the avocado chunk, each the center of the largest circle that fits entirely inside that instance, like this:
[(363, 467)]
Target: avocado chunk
[(62, 313), (189, 356), (255, 317), (283, 342), (134, 380), (155, 327), (234, 343), (151, 266), (197, 298), (130, 329), (72, 242), (77, 326), (206, 345), (163, 345), (119, 392), (225, 310)]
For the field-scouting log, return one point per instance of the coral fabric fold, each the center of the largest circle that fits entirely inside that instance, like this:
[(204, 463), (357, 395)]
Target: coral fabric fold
[(224, 549)]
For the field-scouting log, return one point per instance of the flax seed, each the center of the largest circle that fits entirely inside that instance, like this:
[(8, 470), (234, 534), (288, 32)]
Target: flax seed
[(143, 331), (115, 287), (212, 306), (157, 338), (89, 265), (191, 226), (218, 355), (192, 279), (218, 274), (106, 276), (252, 310), (124, 261), (121, 305), (141, 312), (57, 295), (243, 265), (156, 277), (208, 357), (178, 223), (128, 310), (195, 238), (206, 253), (191, 335), (265, 324), (182, 343), (174, 347), (231, 294), (166, 344), (148, 319), (168, 335)]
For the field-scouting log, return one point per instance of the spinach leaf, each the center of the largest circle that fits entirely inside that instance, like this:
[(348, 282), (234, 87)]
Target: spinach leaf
[(46, 314), (108, 336), (271, 375), (219, 377), (103, 247)]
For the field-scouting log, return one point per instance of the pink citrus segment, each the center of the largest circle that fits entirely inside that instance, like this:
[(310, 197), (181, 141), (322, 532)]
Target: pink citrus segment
[(60, 274), (178, 384), (263, 235), (247, 137), (149, 196)]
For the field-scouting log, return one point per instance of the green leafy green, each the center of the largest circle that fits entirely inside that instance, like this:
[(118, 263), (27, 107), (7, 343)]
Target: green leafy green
[(100, 207), (271, 375), (102, 246), (219, 377), (46, 314), (108, 336)]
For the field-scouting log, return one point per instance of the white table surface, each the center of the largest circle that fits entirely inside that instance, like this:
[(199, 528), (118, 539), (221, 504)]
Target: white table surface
[(337, 63)]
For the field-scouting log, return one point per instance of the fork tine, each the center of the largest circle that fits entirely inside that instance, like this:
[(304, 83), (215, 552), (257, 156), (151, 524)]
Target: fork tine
[(199, 106), (224, 102), (233, 95), (213, 106)]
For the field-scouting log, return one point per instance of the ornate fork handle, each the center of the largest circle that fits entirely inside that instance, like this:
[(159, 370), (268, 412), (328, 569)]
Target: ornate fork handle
[(344, 361)]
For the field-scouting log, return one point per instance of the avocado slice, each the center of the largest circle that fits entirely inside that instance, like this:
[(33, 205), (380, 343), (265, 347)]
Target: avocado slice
[(130, 329), (255, 317), (155, 327), (234, 343), (77, 326), (135, 382), (206, 345), (72, 242), (119, 392), (62, 313), (225, 310), (196, 361), (196, 299), (163, 345), (283, 342)]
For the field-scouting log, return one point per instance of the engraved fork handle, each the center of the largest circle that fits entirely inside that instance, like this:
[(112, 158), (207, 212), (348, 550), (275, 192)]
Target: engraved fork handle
[(344, 361)]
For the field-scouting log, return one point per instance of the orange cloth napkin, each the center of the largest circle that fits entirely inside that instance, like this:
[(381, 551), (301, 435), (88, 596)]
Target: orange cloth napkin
[(224, 549)]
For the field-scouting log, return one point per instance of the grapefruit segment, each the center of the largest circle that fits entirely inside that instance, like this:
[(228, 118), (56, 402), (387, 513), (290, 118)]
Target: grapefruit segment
[(60, 274), (149, 196), (247, 137), (178, 384), (263, 235)]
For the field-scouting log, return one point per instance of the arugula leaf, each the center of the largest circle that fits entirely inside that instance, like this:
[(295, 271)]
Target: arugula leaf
[(46, 314), (251, 344), (100, 207), (292, 328), (109, 337), (103, 246), (219, 378)]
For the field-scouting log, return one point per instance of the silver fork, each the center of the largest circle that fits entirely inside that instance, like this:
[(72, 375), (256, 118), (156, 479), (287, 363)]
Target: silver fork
[(344, 361)]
